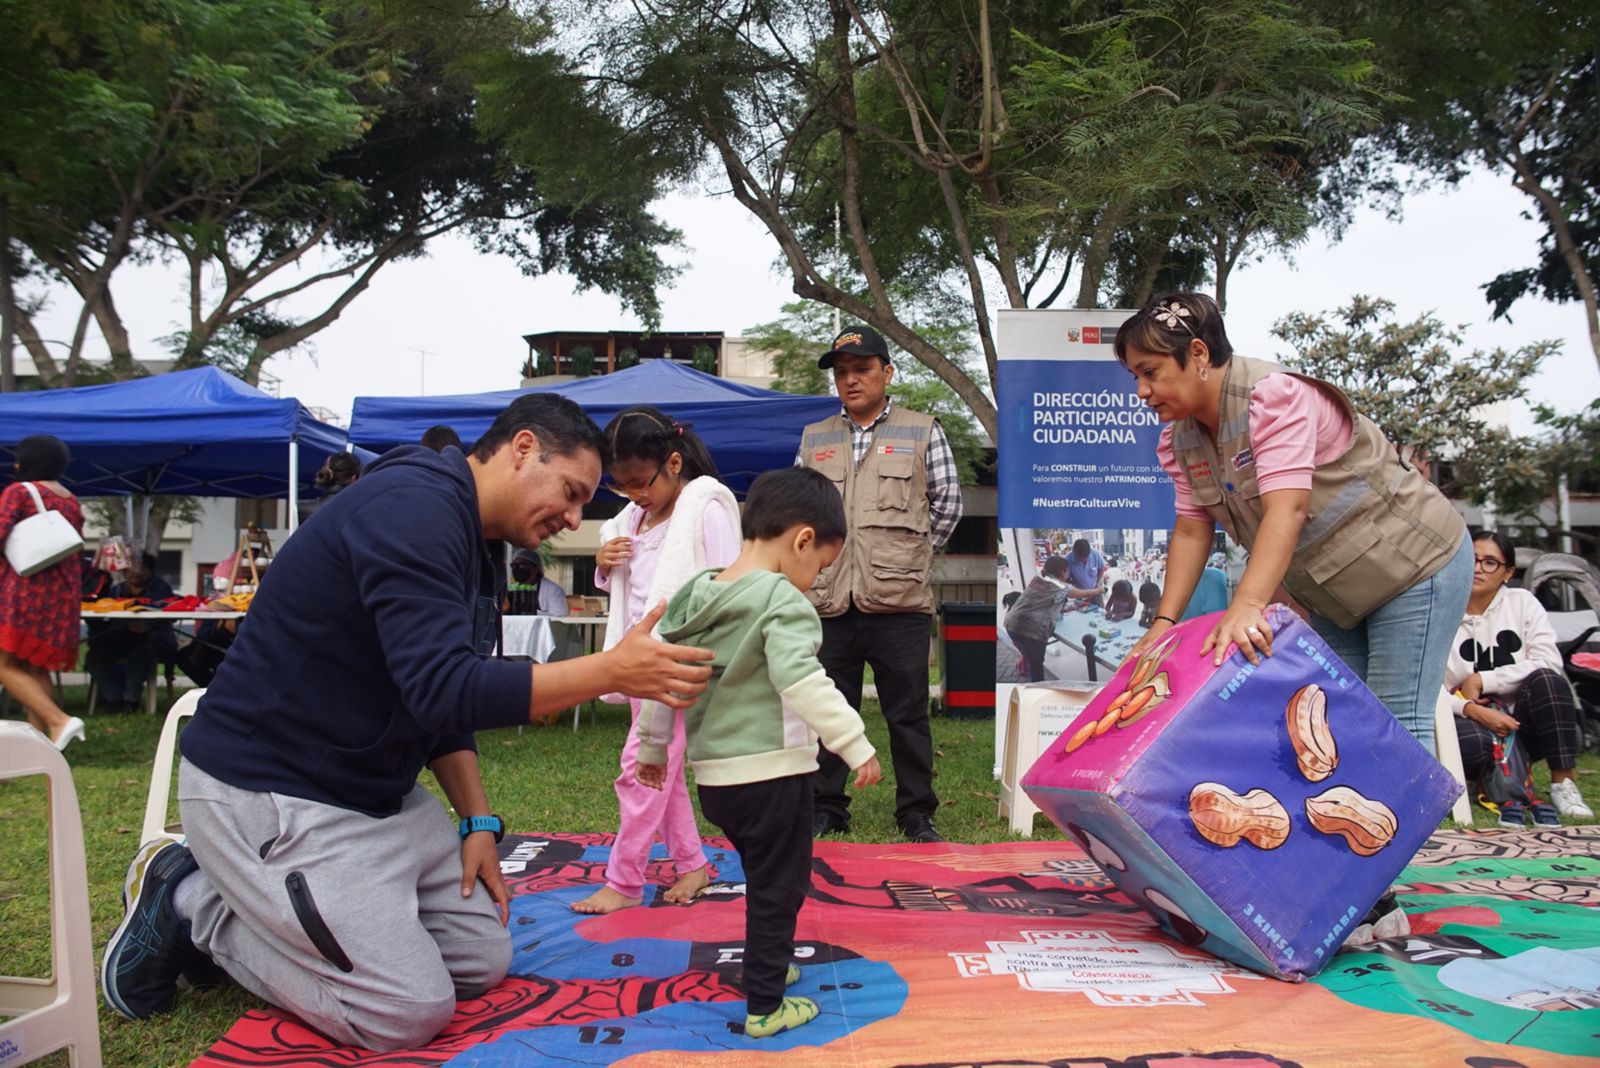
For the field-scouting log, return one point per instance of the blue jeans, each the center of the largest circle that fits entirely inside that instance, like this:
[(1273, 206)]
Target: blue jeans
[(1400, 649)]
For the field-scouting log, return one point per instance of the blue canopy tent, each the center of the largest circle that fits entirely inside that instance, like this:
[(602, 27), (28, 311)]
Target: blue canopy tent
[(201, 432), (748, 430)]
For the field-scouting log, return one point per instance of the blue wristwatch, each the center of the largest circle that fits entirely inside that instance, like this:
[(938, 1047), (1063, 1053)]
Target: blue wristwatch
[(484, 823)]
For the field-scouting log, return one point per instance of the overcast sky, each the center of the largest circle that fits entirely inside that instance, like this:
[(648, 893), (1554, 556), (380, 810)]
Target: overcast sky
[(452, 322)]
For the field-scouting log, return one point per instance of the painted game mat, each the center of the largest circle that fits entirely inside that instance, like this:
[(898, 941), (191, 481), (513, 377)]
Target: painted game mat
[(1019, 954)]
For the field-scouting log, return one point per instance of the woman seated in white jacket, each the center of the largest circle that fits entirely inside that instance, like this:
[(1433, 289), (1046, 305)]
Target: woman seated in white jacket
[(1504, 675)]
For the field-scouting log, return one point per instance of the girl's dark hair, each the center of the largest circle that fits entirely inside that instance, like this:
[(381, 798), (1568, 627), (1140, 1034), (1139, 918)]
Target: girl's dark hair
[(42, 458), (1055, 567), (1149, 593), (1122, 588), (1501, 542), (338, 471), (1167, 324), (645, 433)]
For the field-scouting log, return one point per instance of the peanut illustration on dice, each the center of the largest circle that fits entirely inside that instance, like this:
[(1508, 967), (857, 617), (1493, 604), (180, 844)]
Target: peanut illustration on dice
[(1314, 749), (1146, 689), (1224, 817), (1366, 825)]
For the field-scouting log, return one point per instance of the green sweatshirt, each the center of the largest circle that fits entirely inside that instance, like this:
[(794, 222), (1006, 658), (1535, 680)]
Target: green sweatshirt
[(769, 699)]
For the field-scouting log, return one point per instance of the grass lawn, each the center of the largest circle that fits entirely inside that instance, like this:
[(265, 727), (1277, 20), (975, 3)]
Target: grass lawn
[(543, 779)]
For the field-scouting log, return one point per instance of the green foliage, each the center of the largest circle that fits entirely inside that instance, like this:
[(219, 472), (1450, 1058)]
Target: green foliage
[(1478, 83), (1521, 475), (238, 135), (974, 158), (703, 359), (1411, 379), (796, 340), (544, 364), (582, 361), (628, 357)]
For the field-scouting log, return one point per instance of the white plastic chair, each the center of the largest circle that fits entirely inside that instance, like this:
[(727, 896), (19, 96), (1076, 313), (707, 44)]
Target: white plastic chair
[(1448, 746), (58, 1012), (155, 806), (1035, 716)]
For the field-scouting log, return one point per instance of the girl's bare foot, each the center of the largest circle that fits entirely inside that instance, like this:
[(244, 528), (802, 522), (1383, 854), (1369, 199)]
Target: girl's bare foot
[(605, 900), (684, 890)]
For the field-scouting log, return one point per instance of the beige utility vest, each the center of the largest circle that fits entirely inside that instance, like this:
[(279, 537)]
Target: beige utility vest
[(887, 561), (1374, 528)]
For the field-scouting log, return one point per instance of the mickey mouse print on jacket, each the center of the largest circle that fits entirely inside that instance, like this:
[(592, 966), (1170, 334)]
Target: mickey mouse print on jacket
[(1508, 642)]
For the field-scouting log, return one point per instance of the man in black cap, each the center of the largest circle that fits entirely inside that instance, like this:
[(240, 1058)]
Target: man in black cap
[(903, 499)]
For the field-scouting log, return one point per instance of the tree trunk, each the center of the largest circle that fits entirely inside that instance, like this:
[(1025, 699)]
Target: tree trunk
[(1528, 182), (1098, 252), (8, 334)]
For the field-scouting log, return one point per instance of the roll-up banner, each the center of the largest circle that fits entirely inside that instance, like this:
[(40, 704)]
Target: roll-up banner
[(1078, 463)]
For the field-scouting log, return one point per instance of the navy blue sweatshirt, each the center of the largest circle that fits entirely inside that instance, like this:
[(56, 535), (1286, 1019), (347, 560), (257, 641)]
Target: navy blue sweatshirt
[(363, 656)]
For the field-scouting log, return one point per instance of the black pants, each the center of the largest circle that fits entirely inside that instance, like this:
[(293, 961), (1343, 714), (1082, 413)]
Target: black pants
[(896, 645), (1549, 718), (769, 823), (1032, 650)]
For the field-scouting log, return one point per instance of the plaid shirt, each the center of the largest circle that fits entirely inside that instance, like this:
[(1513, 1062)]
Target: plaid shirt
[(944, 487)]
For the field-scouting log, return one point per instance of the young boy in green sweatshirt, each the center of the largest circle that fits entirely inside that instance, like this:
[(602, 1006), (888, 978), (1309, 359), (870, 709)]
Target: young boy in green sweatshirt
[(753, 733)]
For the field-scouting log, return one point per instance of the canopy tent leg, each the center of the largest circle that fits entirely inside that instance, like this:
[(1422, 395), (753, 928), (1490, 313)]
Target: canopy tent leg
[(294, 485)]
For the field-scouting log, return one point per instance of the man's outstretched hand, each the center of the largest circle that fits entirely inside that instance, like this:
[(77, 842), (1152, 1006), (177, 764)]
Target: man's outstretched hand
[(651, 670)]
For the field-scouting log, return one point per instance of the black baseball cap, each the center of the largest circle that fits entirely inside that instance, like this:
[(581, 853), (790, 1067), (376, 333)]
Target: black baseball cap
[(855, 341)]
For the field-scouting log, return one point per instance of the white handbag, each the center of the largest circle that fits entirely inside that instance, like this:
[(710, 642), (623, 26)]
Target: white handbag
[(41, 540)]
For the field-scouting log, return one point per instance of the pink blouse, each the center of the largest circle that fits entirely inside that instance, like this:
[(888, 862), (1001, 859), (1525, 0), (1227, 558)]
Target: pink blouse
[(722, 548), (1294, 428)]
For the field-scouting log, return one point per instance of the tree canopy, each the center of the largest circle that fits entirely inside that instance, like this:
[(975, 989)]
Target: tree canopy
[(978, 154), (244, 138)]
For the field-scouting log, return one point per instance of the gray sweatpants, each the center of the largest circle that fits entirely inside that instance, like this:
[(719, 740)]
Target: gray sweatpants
[(356, 925)]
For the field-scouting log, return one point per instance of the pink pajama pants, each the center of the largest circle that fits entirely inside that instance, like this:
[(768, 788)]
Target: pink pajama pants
[(646, 811)]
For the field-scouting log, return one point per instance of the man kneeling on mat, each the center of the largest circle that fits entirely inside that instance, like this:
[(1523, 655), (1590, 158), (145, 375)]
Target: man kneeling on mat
[(753, 734), (317, 872)]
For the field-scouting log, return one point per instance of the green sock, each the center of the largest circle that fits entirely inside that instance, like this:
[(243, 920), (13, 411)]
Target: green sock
[(793, 975), (792, 1013)]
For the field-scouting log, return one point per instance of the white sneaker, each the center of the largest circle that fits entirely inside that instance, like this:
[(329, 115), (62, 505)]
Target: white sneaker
[(1568, 801)]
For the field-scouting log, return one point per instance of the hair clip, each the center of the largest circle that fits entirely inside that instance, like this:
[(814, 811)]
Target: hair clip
[(1172, 315)]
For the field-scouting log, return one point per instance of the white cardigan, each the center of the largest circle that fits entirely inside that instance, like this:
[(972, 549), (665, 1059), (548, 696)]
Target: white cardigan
[(683, 552), (1512, 612)]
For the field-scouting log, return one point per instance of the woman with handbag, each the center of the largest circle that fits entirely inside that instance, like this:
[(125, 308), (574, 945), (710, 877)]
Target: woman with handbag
[(39, 611), (1504, 677)]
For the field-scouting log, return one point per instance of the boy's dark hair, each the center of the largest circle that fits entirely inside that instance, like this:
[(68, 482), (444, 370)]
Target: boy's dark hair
[(42, 458), (790, 497), (1149, 594), (1168, 323), (1122, 588), (561, 426), (1010, 599), (1055, 567), (437, 437), (646, 433)]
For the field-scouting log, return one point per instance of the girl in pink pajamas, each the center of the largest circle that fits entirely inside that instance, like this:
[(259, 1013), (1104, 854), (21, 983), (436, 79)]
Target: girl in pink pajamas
[(679, 521)]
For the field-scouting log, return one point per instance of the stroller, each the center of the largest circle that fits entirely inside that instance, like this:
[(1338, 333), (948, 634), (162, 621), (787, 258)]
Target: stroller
[(1569, 588)]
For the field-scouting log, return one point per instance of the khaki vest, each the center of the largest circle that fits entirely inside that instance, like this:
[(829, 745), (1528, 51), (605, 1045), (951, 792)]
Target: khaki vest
[(887, 561), (1374, 528)]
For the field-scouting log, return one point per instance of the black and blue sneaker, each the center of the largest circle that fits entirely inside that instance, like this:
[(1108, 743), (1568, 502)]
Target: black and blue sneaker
[(151, 947)]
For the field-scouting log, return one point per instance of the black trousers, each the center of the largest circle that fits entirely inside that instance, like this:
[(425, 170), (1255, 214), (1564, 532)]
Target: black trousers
[(895, 644), (769, 823), (1549, 718), (1032, 650)]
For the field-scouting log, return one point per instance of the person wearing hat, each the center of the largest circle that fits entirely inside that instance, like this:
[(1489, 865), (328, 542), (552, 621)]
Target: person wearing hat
[(902, 497), (527, 569)]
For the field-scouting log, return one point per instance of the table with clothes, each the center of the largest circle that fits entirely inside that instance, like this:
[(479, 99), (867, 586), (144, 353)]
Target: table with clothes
[(1112, 640), (131, 639)]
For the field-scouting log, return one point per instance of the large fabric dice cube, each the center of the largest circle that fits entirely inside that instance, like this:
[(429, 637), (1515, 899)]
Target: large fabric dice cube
[(1258, 811)]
